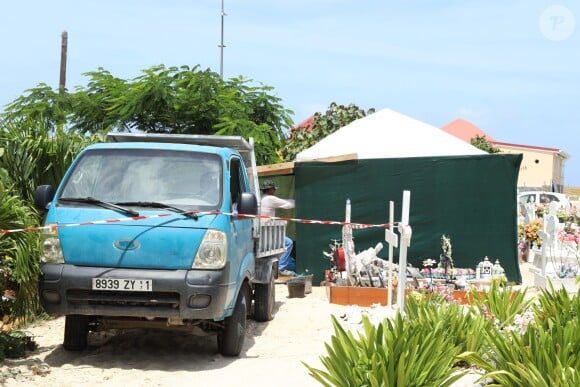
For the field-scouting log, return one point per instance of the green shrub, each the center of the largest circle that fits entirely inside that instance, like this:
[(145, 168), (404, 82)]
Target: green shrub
[(12, 344), (502, 303), (539, 357), (556, 306), (546, 354), (393, 353), (458, 322), (19, 266), (514, 341)]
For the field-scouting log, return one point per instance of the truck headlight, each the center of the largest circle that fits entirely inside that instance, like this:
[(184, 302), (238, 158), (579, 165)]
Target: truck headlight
[(212, 251), (51, 250)]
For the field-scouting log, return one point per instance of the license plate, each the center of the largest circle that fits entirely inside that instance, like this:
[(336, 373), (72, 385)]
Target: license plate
[(123, 284)]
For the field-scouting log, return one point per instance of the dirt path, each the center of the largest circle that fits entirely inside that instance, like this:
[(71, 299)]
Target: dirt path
[(272, 354)]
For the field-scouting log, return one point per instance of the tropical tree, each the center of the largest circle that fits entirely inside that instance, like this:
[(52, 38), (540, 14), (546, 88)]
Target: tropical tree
[(162, 100), (29, 156), (321, 125), (33, 156), (482, 143), (41, 105), (18, 253), (19, 263)]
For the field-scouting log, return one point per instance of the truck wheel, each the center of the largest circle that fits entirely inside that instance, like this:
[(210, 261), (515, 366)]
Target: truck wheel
[(264, 299), (231, 339), (76, 330)]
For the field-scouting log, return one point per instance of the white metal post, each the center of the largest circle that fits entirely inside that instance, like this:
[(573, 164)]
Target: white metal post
[(405, 231), (392, 239), (348, 244)]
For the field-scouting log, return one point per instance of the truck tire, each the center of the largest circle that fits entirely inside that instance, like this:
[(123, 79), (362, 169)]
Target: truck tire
[(231, 338), (264, 300), (76, 330)]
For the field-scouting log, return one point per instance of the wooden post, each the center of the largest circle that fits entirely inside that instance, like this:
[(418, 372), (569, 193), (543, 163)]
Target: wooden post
[(63, 49)]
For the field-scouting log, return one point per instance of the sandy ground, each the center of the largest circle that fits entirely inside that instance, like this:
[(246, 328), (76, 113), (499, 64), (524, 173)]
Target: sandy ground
[(272, 355)]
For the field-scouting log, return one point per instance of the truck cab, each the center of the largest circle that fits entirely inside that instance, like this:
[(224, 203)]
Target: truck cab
[(158, 231)]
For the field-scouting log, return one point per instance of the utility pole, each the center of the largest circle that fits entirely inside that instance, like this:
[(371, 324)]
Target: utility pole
[(63, 48), (221, 46)]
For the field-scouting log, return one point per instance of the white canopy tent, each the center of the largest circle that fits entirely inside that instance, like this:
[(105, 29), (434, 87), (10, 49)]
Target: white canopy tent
[(388, 134)]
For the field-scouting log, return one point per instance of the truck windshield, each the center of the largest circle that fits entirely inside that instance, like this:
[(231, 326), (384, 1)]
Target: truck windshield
[(188, 180)]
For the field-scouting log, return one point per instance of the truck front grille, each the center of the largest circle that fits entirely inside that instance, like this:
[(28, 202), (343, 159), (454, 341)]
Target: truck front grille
[(157, 300)]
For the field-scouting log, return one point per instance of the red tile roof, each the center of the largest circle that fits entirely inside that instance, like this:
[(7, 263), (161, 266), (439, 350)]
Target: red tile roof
[(307, 123), (497, 143), (465, 130)]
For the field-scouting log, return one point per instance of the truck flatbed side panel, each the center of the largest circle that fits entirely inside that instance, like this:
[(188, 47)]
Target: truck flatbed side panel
[(271, 238)]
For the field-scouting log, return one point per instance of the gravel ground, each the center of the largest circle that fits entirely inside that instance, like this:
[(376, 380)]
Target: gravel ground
[(273, 352)]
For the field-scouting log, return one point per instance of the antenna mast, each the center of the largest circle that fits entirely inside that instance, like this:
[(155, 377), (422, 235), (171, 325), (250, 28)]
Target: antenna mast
[(221, 46)]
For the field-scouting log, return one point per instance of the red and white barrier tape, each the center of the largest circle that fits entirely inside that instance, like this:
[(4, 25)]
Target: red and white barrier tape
[(51, 228), (310, 221)]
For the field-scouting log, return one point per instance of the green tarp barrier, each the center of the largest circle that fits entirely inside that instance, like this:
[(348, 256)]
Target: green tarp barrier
[(471, 199)]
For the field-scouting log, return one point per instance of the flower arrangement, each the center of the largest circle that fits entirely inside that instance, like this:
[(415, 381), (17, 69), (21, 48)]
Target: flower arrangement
[(570, 240), (541, 209), (574, 215), (465, 273), (531, 232), (569, 237), (521, 238), (439, 273), (564, 216), (434, 272)]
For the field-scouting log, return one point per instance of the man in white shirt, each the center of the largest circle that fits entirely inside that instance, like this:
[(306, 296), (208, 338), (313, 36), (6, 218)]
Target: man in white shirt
[(268, 205)]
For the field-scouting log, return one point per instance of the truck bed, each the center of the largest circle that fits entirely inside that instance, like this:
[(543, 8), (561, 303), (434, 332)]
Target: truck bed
[(271, 237)]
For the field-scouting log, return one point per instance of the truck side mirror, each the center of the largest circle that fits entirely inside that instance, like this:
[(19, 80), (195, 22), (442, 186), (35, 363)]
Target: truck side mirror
[(248, 204), (43, 196)]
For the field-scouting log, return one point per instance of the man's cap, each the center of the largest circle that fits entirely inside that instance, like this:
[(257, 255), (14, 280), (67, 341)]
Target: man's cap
[(268, 184)]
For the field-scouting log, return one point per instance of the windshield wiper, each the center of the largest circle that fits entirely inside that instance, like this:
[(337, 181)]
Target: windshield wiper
[(163, 206), (100, 203)]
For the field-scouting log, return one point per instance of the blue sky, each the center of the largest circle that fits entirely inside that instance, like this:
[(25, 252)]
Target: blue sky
[(512, 68)]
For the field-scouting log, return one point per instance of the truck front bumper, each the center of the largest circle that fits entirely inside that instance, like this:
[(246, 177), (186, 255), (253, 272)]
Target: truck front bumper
[(184, 294)]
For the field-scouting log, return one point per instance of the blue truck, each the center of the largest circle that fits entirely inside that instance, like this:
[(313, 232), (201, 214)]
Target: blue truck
[(157, 231)]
